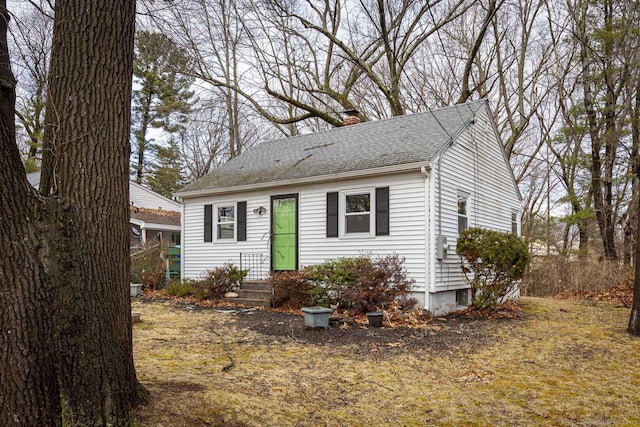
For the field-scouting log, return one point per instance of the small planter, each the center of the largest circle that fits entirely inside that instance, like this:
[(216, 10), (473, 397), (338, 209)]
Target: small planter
[(375, 318), (316, 317), (135, 289)]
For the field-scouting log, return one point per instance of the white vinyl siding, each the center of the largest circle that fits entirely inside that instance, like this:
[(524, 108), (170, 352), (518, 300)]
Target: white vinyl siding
[(474, 165), (199, 256), (406, 213), (143, 197), (406, 225)]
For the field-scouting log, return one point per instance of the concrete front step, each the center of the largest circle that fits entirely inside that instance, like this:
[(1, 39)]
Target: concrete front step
[(256, 293), (256, 284), (251, 302), (253, 293)]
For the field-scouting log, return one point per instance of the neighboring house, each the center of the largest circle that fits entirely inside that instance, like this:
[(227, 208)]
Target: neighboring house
[(404, 185), (153, 217)]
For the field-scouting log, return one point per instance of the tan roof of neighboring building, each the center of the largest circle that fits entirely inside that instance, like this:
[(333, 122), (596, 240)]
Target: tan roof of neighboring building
[(156, 216)]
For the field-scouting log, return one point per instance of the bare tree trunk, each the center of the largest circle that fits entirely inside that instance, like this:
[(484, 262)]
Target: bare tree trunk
[(634, 319), (64, 271), (87, 133), (466, 91), (28, 385), (141, 136)]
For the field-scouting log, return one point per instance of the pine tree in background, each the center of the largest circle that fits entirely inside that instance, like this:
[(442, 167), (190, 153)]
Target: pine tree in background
[(161, 96), (167, 175)]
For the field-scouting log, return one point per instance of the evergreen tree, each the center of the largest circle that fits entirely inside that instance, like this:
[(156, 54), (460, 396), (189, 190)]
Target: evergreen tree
[(161, 99), (167, 173)]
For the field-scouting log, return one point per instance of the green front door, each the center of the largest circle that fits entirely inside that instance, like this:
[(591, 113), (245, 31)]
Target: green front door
[(284, 239)]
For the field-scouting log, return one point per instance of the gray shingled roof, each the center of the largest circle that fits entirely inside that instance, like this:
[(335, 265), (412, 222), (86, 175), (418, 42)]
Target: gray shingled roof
[(398, 140)]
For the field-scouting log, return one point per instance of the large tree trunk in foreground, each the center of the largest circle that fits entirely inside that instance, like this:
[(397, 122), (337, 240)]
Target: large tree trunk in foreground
[(28, 383), (634, 319), (67, 250)]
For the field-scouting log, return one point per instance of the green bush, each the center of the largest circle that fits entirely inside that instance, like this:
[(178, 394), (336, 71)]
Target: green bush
[(331, 279), (180, 288), (493, 264), (359, 284)]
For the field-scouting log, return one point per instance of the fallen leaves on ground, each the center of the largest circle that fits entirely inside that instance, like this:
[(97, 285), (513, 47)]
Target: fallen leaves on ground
[(618, 295), (561, 363)]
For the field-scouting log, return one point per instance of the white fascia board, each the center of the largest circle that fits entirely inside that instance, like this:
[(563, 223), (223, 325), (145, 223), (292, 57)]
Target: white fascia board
[(386, 170), (136, 222), (153, 226), (163, 227)]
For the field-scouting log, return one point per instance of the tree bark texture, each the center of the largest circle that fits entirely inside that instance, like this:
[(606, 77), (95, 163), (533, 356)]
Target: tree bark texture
[(28, 385), (634, 319), (64, 270)]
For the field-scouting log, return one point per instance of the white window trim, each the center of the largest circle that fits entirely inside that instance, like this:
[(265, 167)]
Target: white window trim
[(466, 198), (216, 238), (516, 221), (342, 203)]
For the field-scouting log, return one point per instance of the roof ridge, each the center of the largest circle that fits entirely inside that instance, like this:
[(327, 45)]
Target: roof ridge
[(384, 119)]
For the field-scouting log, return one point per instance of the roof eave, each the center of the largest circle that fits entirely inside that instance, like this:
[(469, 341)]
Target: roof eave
[(154, 225), (385, 170)]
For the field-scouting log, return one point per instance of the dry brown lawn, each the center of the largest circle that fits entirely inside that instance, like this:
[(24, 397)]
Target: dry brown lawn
[(565, 363)]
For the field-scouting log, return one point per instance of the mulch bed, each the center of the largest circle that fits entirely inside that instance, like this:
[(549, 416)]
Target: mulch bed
[(467, 330), (440, 335)]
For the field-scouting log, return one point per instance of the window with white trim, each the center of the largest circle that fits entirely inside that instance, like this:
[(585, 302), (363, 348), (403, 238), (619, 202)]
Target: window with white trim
[(462, 213), (356, 213), (514, 222), (225, 222)]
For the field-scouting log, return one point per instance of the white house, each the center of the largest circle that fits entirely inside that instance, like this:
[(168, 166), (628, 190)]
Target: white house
[(153, 216), (403, 185)]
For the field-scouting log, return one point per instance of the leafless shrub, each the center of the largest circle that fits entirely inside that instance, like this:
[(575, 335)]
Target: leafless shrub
[(555, 274)]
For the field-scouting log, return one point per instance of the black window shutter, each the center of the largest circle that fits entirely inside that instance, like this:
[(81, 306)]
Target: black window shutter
[(208, 223), (382, 211), (242, 221), (332, 214)]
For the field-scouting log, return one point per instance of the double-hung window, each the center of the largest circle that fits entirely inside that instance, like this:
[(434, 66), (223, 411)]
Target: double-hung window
[(225, 223), (514, 222), (357, 213)]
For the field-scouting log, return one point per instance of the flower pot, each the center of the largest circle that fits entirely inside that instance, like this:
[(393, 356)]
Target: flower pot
[(316, 317), (135, 289), (375, 318)]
